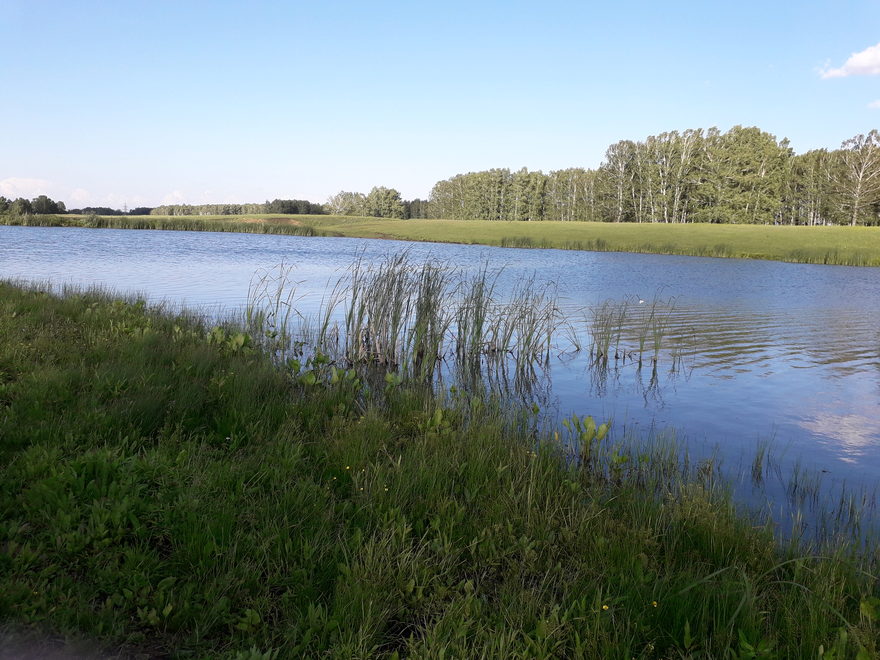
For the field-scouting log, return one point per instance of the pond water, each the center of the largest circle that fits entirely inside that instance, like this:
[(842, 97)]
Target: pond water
[(765, 352)]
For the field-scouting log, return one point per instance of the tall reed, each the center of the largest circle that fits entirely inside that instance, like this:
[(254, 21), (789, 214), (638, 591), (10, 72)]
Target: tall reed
[(271, 308), (412, 319), (606, 327)]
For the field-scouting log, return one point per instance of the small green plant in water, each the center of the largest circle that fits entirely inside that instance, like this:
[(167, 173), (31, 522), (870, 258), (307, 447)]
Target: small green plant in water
[(586, 435)]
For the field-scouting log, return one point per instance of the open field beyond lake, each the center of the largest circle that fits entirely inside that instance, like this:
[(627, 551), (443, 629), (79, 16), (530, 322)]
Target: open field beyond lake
[(168, 490), (848, 246)]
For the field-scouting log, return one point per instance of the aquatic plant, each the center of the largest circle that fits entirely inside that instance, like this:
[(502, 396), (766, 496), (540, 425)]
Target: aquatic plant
[(606, 328), (408, 318), (271, 308)]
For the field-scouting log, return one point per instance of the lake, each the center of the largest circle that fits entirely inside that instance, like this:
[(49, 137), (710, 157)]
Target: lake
[(764, 352)]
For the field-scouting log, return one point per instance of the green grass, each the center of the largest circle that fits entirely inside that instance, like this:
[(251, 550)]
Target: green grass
[(859, 246), (166, 489), (848, 246), (252, 224)]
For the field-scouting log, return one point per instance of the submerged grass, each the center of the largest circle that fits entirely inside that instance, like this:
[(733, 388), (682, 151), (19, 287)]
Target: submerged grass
[(846, 246), (171, 490)]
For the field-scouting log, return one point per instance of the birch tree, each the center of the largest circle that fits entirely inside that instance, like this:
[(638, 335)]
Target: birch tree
[(860, 180)]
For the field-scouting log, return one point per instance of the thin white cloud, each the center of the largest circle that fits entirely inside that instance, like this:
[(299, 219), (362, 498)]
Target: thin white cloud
[(13, 187), (864, 63), (174, 197), (80, 196), (113, 200), (874, 105), (23, 187)]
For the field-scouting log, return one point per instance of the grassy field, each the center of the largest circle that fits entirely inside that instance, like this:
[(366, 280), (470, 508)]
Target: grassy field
[(855, 246), (167, 490)]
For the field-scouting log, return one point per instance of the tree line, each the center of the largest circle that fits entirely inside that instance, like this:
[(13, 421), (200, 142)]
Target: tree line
[(37, 205), (44, 205), (742, 176), (285, 206)]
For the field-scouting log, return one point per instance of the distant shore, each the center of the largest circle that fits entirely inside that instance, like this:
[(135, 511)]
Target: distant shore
[(846, 246)]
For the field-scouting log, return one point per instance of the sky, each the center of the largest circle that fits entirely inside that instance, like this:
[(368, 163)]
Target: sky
[(139, 103)]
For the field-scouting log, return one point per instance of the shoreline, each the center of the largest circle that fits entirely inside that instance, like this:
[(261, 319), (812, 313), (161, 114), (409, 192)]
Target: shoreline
[(169, 487), (843, 246)]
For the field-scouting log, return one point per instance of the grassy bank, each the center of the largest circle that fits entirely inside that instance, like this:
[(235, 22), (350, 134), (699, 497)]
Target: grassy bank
[(852, 246), (167, 489), (257, 224)]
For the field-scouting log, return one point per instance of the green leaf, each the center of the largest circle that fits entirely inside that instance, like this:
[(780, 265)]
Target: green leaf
[(167, 583), (870, 608), (589, 431)]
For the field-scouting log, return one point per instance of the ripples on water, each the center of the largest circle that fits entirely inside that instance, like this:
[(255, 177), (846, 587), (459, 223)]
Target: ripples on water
[(768, 351)]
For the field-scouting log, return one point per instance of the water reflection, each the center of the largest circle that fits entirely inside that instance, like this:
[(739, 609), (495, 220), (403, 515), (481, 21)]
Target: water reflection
[(853, 435)]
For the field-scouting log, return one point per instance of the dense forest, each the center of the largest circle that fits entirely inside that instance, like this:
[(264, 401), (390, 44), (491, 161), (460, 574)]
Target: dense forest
[(38, 205), (744, 175), (381, 202)]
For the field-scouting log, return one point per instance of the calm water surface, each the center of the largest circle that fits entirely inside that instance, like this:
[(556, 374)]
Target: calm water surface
[(786, 353)]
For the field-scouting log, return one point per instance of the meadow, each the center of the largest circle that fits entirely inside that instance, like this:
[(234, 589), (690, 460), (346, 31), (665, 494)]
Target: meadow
[(172, 488), (849, 246)]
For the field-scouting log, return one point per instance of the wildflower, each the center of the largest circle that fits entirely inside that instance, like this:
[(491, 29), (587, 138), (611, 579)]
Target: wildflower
[(347, 467), (654, 603), (604, 607)]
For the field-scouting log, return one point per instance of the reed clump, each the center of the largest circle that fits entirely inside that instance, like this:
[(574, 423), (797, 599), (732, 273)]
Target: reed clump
[(395, 314), (633, 330), (425, 322), (419, 321), (606, 327)]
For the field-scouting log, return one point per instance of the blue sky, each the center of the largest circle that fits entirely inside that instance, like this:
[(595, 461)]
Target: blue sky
[(144, 102)]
